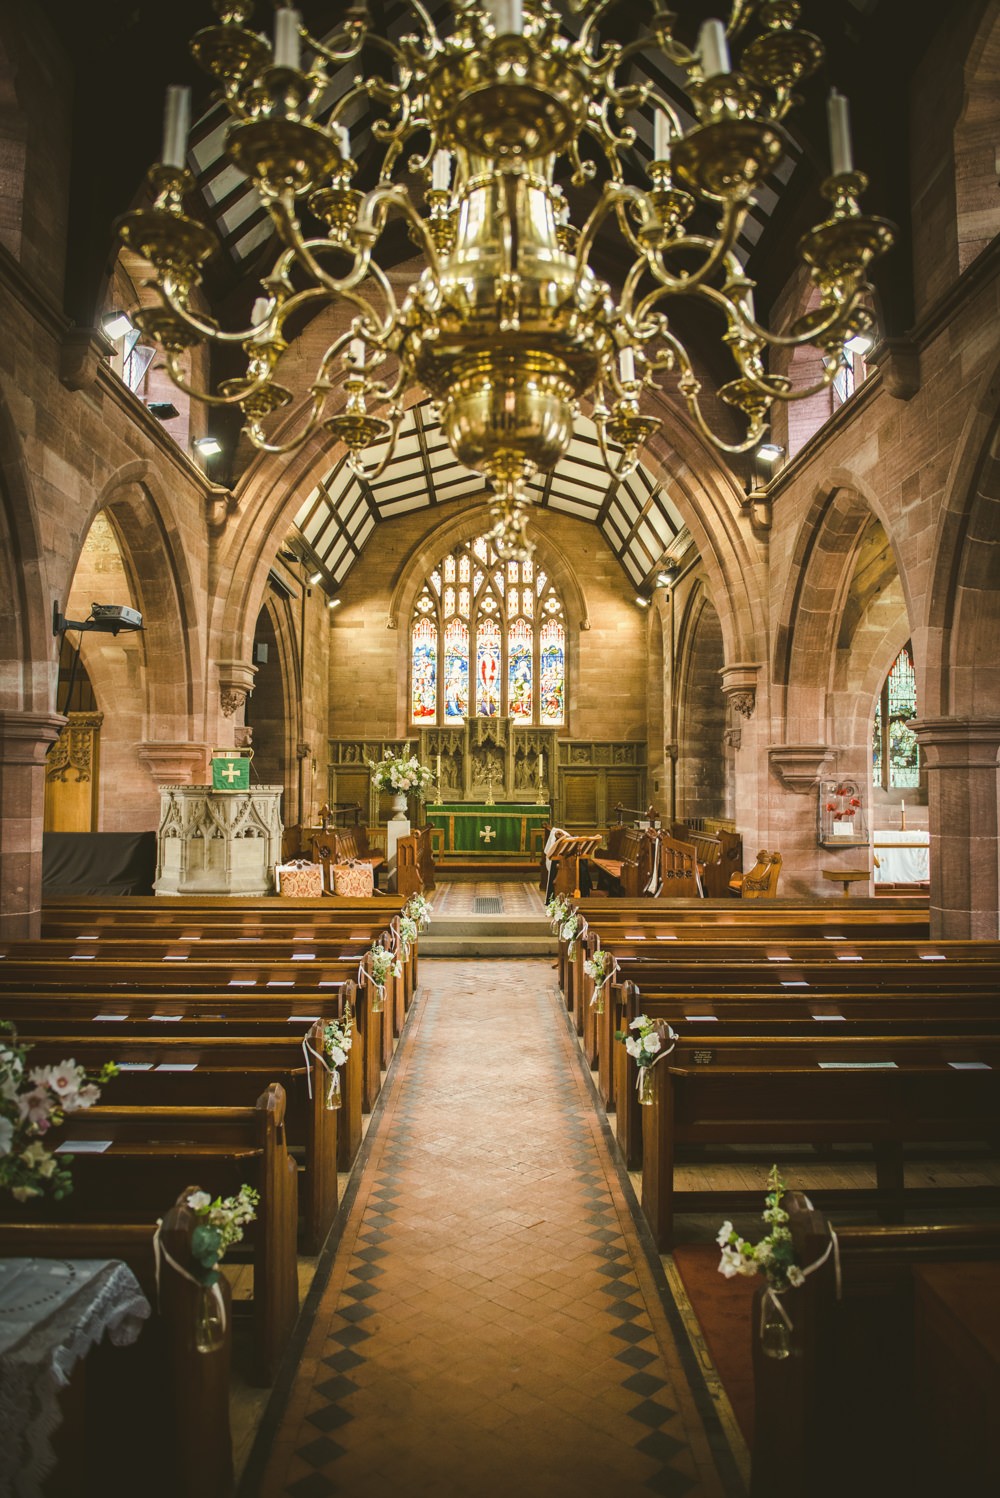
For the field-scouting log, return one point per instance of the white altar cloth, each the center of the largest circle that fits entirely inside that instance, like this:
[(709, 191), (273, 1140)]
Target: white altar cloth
[(52, 1311), (904, 857)]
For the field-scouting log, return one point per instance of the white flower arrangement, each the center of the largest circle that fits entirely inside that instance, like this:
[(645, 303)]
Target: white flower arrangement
[(400, 775), (599, 967), (418, 908), (385, 965), (408, 933), (338, 1037), (774, 1255), (32, 1103), (653, 1040), (221, 1223), (569, 931), (557, 910)]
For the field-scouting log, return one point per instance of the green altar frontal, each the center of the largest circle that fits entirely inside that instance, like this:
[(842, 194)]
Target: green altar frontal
[(508, 830)]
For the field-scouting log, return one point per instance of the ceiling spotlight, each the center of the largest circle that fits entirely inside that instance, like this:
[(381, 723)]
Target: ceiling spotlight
[(642, 602), (315, 577), (861, 343), (116, 324), (209, 447), (770, 452), (164, 410), (333, 603), (668, 576)]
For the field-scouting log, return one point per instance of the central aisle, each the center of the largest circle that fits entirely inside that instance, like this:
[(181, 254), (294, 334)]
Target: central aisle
[(492, 1324)]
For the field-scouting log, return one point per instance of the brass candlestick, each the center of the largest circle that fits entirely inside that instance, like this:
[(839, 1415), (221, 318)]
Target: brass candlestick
[(488, 799)]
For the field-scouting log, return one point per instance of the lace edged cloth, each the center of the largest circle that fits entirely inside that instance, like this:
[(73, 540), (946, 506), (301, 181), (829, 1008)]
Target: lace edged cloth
[(52, 1311)]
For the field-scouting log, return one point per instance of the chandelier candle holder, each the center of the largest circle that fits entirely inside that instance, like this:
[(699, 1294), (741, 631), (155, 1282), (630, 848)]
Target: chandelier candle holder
[(508, 327)]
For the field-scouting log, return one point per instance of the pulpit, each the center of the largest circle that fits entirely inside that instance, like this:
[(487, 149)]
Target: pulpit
[(218, 842)]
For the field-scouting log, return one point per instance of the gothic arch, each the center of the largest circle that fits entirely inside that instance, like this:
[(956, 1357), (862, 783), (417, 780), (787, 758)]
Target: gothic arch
[(27, 654), (701, 709)]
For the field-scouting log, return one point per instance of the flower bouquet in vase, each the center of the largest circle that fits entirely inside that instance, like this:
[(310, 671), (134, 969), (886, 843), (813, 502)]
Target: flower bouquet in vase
[(599, 967), (220, 1223), (338, 1037), (653, 1039), (383, 965), (404, 776)]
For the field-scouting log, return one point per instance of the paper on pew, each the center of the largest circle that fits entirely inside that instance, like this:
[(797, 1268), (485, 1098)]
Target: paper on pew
[(858, 1065), (177, 1066), (134, 1065), (970, 1065), (83, 1147), (110, 1016)]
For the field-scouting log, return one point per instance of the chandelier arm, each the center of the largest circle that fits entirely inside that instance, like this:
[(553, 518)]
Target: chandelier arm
[(748, 325), (208, 332), (282, 211), (781, 391), (395, 195), (371, 474), (327, 50), (185, 386), (718, 251), (255, 432), (615, 193), (423, 16)]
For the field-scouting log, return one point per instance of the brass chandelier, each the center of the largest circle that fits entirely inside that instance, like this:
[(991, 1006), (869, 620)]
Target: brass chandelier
[(508, 326)]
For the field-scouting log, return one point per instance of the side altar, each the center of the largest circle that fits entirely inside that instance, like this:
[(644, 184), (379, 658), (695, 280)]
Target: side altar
[(504, 830), (218, 842)]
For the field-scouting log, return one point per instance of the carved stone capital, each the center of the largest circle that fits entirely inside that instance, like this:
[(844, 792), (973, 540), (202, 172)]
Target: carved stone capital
[(25, 737), (235, 684), (739, 685), (81, 355), (799, 766), (958, 743), (219, 505), (898, 361), (173, 764), (733, 737), (243, 736)]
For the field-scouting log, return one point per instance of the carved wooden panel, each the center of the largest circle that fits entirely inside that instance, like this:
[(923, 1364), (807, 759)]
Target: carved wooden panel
[(580, 800)]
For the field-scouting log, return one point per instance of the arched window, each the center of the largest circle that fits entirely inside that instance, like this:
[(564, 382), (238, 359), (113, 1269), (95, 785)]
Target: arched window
[(895, 753), (488, 640)]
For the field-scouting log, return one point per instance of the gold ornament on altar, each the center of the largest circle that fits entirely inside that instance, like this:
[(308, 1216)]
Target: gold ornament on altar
[(508, 327)]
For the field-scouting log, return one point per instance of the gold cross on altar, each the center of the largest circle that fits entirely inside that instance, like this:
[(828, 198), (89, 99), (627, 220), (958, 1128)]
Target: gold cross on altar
[(487, 834)]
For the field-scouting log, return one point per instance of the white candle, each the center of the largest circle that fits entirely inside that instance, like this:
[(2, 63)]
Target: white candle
[(712, 49), (626, 365), (176, 123), (902, 807), (441, 171), (287, 52), (541, 765), (507, 17), (343, 138), (839, 120), (258, 312), (661, 136), (358, 352), (439, 767)]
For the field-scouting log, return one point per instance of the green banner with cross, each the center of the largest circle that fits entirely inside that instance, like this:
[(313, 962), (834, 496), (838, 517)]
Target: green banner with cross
[(230, 772)]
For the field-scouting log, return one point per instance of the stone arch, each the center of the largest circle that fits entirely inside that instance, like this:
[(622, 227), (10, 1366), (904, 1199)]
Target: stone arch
[(977, 209), (278, 610), (701, 710), (27, 652)]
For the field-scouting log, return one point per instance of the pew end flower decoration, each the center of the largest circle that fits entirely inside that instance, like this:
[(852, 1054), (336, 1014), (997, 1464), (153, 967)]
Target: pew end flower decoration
[(402, 775), (774, 1257), (418, 908), (599, 967), (31, 1103), (338, 1037), (409, 930), (557, 910), (383, 966), (569, 930), (221, 1223), (653, 1039)]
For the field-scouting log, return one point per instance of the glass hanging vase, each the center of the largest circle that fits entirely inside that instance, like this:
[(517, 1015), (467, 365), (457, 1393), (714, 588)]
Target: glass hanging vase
[(774, 1331), (378, 998), (209, 1323), (333, 1090), (645, 1086), (597, 1002)]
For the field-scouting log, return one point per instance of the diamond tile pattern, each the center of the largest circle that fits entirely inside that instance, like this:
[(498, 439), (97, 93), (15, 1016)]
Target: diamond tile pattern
[(491, 1322)]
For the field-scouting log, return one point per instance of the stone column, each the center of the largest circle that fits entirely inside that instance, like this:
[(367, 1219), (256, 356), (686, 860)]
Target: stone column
[(962, 793), (24, 742)]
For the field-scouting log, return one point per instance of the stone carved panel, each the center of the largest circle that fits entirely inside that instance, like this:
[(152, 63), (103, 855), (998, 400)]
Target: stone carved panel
[(218, 842)]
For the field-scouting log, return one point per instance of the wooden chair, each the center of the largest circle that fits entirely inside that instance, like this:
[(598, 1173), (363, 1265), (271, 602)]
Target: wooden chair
[(761, 882), (678, 868)]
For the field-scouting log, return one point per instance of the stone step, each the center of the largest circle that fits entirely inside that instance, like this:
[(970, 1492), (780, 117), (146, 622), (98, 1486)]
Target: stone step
[(487, 944)]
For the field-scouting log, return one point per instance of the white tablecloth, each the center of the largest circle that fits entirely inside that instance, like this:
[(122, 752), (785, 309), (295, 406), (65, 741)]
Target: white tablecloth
[(903, 857), (52, 1311)]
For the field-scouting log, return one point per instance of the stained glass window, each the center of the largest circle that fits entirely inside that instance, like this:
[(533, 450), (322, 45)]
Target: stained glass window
[(477, 647), (519, 664), (895, 752), (456, 670), (488, 669), (424, 672), (552, 672)]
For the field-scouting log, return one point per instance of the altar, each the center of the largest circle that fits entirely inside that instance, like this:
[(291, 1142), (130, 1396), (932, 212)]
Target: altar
[(509, 829)]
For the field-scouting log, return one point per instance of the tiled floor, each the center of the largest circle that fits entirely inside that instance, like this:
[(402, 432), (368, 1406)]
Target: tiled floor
[(492, 1324), (462, 898)]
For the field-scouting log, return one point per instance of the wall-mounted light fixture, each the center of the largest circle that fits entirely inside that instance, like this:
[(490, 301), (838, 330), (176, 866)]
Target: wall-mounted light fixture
[(162, 410), (642, 603), (668, 574), (116, 324), (861, 343), (208, 447), (333, 603), (314, 578), (770, 452)]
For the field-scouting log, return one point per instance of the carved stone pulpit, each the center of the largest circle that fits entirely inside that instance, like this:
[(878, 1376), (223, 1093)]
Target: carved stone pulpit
[(218, 842)]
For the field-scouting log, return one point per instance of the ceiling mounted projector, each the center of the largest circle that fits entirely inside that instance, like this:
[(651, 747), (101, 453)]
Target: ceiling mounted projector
[(108, 618)]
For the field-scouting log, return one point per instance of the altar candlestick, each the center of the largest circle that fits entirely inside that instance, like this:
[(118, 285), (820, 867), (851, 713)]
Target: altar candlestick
[(541, 766)]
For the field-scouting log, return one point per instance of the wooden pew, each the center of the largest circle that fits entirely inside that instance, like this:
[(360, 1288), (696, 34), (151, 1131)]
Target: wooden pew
[(160, 1395), (154, 1151), (779, 1092), (847, 1410), (720, 857), (345, 845)]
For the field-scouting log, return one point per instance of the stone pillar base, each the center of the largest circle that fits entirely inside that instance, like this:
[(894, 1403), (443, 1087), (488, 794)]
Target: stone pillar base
[(25, 739)]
